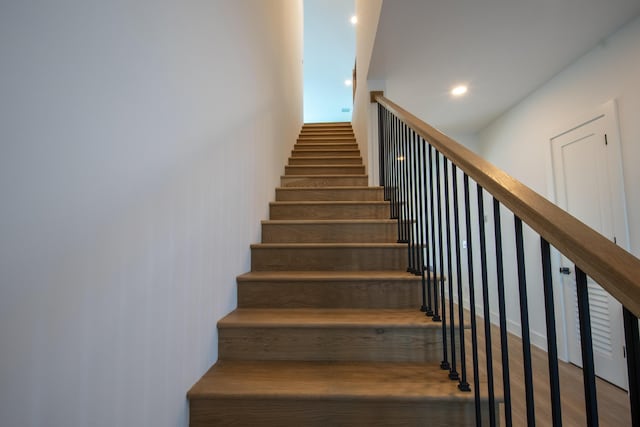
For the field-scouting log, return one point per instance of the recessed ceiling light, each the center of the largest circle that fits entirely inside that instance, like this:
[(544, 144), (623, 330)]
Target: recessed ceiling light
[(348, 82), (354, 19), (459, 90)]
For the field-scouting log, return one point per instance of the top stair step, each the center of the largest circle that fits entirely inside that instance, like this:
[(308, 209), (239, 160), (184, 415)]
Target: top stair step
[(324, 125)]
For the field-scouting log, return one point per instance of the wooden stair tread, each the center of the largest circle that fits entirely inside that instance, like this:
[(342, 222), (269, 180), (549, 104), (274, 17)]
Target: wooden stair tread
[(326, 148), (305, 137), (326, 134), (331, 202), (333, 158), (327, 245), (326, 276), (405, 381), (327, 176), (327, 318), (329, 143), (328, 221), (337, 165), (340, 123), (346, 187), (335, 152)]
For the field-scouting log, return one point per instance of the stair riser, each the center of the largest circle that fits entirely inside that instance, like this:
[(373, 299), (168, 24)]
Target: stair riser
[(294, 412), (335, 132), (347, 211), (328, 131), (329, 145), (318, 161), (335, 194), (330, 233), (339, 133), (326, 138), (345, 343), (324, 170), (324, 181), (329, 259), (336, 294), (338, 128), (324, 152), (325, 141)]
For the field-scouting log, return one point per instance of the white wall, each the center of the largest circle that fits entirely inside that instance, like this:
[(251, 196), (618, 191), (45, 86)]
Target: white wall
[(329, 54), (364, 112), (519, 140), (141, 142)]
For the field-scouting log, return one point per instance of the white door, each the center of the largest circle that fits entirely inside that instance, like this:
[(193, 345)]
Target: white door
[(588, 182)]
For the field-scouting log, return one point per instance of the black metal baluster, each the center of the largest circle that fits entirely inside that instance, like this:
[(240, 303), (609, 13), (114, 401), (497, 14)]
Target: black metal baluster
[(390, 171), (398, 176), (472, 305), (415, 227), (552, 345), (410, 205), (421, 228), (586, 344), (385, 144), (407, 196), (506, 383), (445, 363), (389, 189), (485, 306), (381, 153), (453, 373), (632, 341), (434, 273), (394, 164), (402, 163), (524, 319), (463, 385), (426, 208)]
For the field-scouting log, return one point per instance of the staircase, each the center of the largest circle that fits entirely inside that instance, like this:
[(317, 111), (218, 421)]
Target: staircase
[(327, 331)]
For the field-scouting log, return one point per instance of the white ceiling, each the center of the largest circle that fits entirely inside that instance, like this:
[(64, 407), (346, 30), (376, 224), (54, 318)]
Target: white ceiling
[(504, 49)]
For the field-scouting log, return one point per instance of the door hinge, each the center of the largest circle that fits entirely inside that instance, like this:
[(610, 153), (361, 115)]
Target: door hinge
[(606, 141)]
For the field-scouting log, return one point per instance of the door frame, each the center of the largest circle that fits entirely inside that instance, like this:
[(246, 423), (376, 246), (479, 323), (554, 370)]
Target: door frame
[(609, 113)]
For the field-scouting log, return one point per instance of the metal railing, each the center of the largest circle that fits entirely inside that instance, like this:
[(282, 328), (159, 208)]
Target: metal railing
[(420, 170)]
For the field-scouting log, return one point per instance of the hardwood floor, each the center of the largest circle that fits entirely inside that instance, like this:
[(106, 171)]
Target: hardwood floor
[(613, 402)]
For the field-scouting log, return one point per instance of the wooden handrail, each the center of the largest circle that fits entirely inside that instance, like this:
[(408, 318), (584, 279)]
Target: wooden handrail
[(615, 269)]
